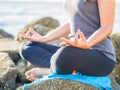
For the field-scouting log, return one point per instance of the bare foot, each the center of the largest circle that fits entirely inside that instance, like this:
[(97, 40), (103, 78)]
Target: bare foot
[(35, 73)]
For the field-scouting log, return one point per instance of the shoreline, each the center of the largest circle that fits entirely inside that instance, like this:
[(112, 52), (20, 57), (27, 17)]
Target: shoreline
[(13, 18)]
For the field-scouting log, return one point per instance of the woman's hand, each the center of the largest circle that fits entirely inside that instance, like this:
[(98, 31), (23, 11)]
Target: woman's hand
[(76, 42), (31, 35)]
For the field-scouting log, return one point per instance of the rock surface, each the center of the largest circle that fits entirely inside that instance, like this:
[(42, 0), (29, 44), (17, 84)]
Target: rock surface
[(116, 43), (58, 84), (8, 72), (114, 84), (9, 45)]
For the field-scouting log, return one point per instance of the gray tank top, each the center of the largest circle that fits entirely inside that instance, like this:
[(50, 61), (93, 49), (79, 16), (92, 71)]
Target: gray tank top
[(85, 16)]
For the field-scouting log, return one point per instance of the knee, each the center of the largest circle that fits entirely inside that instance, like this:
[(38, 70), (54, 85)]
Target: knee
[(24, 51)]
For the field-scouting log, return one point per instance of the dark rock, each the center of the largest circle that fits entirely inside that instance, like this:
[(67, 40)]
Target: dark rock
[(14, 56), (8, 72), (4, 34), (116, 43)]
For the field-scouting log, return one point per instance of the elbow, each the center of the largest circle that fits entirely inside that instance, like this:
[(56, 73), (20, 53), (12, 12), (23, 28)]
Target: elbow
[(107, 29)]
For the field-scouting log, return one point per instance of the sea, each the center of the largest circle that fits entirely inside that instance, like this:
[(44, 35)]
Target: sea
[(15, 14)]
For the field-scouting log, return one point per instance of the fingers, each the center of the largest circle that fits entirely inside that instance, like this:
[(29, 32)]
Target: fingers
[(68, 42), (25, 36), (76, 40), (22, 35), (28, 33), (63, 43), (31, 30), (81, 35)]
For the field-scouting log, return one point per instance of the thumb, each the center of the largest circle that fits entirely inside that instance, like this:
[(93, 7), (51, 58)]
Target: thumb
[(63, 43)]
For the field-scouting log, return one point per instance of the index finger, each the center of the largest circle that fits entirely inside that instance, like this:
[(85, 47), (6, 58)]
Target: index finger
[(32, 31), (67, 41), (22, 35), (81, 35)]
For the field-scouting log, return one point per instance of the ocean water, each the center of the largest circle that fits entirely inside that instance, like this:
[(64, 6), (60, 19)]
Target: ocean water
[(14, 15)]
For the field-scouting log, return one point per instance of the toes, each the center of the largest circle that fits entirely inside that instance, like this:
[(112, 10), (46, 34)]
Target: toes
[(36, 79), (27, 73), (31, 77)]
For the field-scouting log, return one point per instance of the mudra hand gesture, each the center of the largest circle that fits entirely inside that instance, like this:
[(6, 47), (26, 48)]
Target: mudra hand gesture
[(76, 42), (31, 35)]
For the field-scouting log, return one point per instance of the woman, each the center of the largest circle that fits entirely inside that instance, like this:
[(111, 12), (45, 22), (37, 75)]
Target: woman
[(89, 49)]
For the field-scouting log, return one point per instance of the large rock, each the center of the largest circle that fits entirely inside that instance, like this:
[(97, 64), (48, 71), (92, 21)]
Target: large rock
[(8, 72), (42, 26), (4, 34), (116, 43), (58, 84), (9, 45)]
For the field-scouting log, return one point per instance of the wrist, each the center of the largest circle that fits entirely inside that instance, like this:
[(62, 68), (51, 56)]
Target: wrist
[(88, 46), (45, 39)]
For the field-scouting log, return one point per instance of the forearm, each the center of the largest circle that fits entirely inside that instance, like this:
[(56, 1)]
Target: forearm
[(98, 36), (61, 31), (107, 12)]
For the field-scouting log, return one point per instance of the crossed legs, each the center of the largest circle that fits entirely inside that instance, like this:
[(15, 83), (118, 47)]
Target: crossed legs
[(64, 60), (38, 54)]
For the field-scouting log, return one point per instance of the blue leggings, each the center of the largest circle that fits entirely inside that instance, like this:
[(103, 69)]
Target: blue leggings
[(65, 60)]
